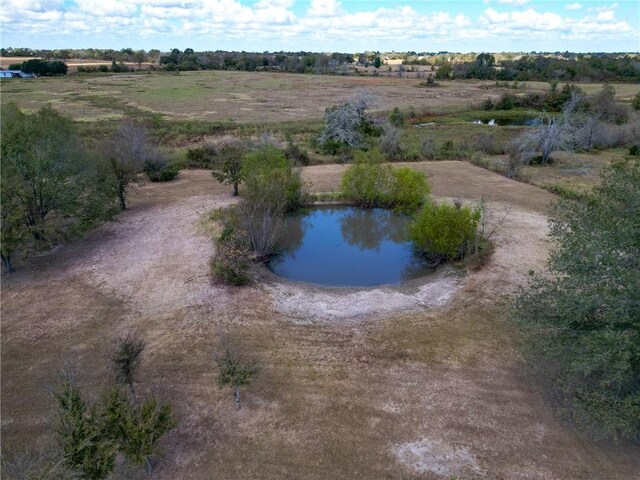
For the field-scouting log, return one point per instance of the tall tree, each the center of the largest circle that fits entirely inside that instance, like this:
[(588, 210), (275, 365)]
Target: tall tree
[(582, 316)]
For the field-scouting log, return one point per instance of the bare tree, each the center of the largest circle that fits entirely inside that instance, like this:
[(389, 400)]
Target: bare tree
[(553, 133), (126, 360), (342, 122), (128, 151)]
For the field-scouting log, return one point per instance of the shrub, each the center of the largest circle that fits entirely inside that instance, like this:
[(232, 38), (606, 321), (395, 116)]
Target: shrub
[(635, 103), (367, 183), (201, 157), (159, 170), (297, 155), (506, 102), (444, 231), (409, 189), (231, 263), (390, 145), (268, 167), (370, 183), (396, 117)]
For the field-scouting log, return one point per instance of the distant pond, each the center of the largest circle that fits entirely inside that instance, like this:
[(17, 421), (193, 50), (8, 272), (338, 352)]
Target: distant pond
[(508, 122), (347, 247)]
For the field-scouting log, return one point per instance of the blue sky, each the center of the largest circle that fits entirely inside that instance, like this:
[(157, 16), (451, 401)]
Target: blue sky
[(324, 25)]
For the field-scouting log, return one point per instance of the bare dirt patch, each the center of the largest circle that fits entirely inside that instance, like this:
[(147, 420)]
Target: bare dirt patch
[(407, 394)]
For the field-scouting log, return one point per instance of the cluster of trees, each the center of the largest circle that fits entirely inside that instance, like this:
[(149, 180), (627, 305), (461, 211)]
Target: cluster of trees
[(296, 62), (110, 55), (92, 436), (44, 68), (578, 68), (54, 186), (582, 315)]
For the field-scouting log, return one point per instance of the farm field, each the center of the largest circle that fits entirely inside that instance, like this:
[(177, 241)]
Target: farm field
[(250, 97), (434, 392)]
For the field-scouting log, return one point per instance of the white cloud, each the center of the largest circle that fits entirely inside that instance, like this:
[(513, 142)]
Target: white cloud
[(513, 2), (325, 8), (325, 24)]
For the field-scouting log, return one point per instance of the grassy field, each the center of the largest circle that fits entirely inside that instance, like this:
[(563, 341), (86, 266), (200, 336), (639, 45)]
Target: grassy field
[(421, 393), (429, 392)]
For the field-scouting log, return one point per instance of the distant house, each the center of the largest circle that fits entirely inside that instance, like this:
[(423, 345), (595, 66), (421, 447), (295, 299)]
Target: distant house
[(15, 74)]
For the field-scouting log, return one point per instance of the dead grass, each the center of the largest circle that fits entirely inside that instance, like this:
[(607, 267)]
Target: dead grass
[(425, 394)]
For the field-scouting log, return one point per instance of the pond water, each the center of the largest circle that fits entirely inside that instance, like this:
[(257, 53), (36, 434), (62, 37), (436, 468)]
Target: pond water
[(347, 247), (508, 122)]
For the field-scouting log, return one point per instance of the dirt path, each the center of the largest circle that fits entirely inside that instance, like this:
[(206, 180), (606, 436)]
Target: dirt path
[(411, 393)]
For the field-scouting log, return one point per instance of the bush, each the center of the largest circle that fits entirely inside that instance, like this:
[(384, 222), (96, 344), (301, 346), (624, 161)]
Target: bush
[(201, 157), (297, 155), (268, 167), (444, 231), (409, 189), (635, 103), (390, 145), (396, 117), (231, 263), (370, 183), (159, 170)]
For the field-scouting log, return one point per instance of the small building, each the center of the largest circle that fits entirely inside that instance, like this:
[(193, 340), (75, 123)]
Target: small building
[(15, 74)]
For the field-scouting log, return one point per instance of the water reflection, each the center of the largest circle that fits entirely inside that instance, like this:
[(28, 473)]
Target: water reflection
[(347, 246), (368, 228)]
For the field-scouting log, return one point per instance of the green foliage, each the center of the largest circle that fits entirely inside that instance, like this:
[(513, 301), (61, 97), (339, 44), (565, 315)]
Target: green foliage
[(582, 316), (635, 103), (268, 174), (51, 187), (92, 435), (444, 231), (159, 170), (232, 260), (396, 117), (444, 71), (409, 189), (228, 169), (84, 446), (235, 372), (44, 67), (371, 183), (135, 428)]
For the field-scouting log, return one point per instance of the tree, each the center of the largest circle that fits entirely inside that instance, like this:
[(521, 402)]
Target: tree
[(50, 185), (444, 71), (273, 187), (553, 133), (84, 447), (344, 123), (127, 152), (581, 316), (377, 62), (229, 170), (126, 360), (235, 372)]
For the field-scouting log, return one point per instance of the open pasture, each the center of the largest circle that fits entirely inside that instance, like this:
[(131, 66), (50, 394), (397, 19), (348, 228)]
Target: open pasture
[(423, 393)]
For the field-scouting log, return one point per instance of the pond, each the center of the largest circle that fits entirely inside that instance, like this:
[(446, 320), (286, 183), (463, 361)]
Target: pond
[(347, 247), (508, 122)]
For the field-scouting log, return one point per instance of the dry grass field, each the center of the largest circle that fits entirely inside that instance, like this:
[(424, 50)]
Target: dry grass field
[(428, 393), (244, 97)]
